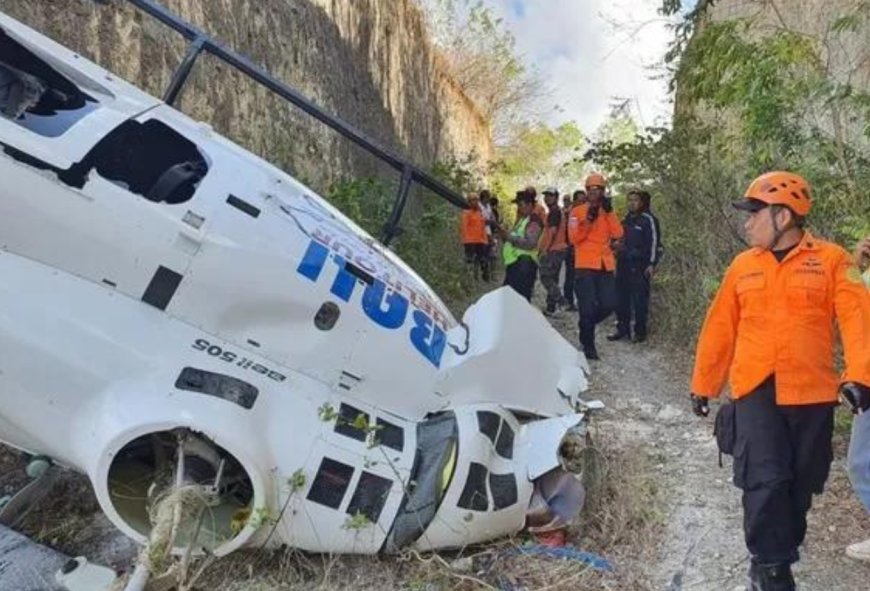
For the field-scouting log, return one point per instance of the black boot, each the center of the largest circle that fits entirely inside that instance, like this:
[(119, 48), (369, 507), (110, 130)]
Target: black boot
[(770, 577), (618, 335), (587, 341)]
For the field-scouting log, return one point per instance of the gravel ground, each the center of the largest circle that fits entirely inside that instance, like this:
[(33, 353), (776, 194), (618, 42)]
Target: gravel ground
[(646, 389)]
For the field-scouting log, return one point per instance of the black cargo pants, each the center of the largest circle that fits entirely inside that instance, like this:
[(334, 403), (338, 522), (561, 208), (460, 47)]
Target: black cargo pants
[(782, 457), (568, 287), (632, 288), (596, 299), (521, 276)]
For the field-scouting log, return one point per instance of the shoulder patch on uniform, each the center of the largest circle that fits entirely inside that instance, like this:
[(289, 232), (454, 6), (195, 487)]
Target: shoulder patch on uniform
[(853, 274)]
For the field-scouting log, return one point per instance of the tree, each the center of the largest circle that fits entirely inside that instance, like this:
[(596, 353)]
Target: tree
[(541, 155), (481, 55)]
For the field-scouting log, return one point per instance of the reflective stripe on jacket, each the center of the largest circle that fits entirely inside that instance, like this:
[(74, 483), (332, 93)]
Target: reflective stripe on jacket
[(591, 240), (771, 318), (473, 227)]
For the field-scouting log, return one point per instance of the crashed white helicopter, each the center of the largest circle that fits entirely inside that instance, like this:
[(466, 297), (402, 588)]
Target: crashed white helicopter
[(176, 311)]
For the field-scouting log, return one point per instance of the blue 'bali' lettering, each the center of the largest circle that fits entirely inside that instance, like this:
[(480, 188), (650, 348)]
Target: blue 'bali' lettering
[(397, 306), (388, 311), (313, 261), (342, 286), (428, 338)]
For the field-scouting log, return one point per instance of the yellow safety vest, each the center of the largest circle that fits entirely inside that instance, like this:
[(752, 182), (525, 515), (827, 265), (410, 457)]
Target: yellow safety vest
[(511, 253)]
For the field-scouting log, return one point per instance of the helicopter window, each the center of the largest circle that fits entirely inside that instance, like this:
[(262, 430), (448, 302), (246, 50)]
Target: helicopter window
[(330, 483), (505, 444), (474, 495), (370, 496), (150, 159), (352, 422), (432, 474), (36, 96), (504, 490), (487, 423), (390, 435)]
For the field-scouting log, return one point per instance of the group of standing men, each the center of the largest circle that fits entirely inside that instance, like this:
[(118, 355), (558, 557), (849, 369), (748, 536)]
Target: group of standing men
[(770, 329), (608, 264)]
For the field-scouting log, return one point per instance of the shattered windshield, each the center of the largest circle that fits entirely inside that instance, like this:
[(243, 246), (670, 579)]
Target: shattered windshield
[(35, 96)]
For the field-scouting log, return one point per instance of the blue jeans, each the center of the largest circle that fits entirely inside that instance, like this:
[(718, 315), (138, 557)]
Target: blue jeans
[(859, 457)]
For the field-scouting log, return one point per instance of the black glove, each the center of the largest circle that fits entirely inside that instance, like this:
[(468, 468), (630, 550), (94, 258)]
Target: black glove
[(856, 396), (592, 214), (607, 204), (700, 405)]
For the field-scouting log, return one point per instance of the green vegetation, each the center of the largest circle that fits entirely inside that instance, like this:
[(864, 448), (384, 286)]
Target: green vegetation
[(749, 99), (429, 241), (540, 155)]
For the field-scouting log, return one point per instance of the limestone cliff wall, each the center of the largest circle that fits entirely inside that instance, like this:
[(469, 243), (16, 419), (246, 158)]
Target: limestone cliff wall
[(368, 61), (843, 54)]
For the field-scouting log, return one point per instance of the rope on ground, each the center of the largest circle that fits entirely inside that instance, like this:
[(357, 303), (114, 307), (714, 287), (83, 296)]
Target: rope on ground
[(563, 553), (180, 505)]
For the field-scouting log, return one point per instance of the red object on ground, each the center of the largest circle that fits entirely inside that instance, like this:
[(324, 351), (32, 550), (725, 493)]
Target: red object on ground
[(551, 539)]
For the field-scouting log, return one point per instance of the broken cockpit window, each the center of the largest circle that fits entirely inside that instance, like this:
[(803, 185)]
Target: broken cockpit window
[(149, 158), (36, 96), (434, 463)]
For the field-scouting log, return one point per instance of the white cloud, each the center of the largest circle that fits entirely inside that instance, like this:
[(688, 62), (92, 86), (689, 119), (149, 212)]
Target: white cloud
[(593, 52)]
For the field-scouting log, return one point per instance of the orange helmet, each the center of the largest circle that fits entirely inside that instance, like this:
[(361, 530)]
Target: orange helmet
[(596, 179), (778, 188)]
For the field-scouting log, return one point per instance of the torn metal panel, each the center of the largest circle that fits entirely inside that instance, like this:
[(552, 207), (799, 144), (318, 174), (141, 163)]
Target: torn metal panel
[(540, 442), (514, 358)]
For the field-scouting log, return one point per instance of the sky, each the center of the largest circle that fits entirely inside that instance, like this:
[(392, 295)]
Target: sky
[(594, 53)]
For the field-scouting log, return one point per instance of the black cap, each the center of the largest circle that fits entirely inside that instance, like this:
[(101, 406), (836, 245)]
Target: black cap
[(749, 204), (551, 191), (524, 197)]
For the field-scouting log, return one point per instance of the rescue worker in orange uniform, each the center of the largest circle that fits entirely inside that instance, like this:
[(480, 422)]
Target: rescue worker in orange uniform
[(592, 228), (474, 237), (772, 325), (552, 249)]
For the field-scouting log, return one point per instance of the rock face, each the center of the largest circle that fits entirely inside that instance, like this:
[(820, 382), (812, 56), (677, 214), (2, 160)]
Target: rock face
[(840, 31), (367, 61)]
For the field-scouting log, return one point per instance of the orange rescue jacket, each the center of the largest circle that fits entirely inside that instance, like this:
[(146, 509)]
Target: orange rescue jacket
[(771, 318), (473, 227), (554, 238), (591, 240)]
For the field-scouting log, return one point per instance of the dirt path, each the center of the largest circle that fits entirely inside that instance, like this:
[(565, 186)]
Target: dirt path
[(702, 546)]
